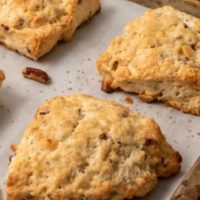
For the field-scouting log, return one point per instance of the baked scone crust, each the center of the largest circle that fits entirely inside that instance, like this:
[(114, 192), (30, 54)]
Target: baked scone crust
[(80, 147), (2, 77), (33, 27), (190, 6), (157, 57)]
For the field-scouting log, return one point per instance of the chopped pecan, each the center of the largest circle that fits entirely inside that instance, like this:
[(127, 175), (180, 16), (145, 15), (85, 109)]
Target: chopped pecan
[(19, 23), (5, 27), (43, 113), (28, 50), (106, 86), (149, 141), (36, 74), (103, 136)]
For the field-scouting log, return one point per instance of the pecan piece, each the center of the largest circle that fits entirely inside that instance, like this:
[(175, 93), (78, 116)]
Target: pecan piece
[(19, 23), (5, 27), (36, 74), (106, 86), (103, 136)]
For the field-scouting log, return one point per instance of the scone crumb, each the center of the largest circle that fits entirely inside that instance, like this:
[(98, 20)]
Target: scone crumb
[(36, 74), (129, 100), (13, 147)]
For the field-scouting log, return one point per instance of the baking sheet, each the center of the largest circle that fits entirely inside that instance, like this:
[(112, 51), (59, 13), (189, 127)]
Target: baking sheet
[(73, 70)]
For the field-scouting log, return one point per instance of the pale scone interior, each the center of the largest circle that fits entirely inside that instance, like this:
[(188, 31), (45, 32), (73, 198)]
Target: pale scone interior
[(157, 57), (80, 147)]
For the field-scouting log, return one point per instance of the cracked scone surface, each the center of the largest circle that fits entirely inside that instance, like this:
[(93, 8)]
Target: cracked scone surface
[(33, 27), (2, 77), (79, 147), (157, 57)]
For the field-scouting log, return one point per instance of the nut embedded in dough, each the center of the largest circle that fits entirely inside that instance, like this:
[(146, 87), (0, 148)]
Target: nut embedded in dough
[(33, 27), (80, 147), (158, 58)]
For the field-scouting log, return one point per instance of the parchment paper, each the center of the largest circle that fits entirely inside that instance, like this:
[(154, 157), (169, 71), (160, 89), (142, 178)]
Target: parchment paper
[(73, 70)]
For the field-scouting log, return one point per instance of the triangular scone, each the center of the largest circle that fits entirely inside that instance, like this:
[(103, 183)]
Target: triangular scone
[(2, 77), (79, 147), (157, 57), (33, 27)]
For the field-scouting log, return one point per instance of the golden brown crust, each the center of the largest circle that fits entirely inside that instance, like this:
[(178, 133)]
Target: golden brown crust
[(162, 47), (34, 27), (190, 6), (81, 147)]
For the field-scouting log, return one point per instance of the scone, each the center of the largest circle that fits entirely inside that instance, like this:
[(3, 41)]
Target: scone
[(33, 27), (157, 57), (79, 147), (2, 77), (190, 6)]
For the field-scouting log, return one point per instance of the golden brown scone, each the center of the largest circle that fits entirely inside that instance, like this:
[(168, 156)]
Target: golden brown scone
[(2, 77), (157, 57), (190, 6), (79, 147), (33, 27)]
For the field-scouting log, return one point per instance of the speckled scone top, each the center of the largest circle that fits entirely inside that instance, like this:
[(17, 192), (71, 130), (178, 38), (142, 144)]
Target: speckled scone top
[(190, 6), (79, 147), (33, 27), (2, 77), (158, 57)]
